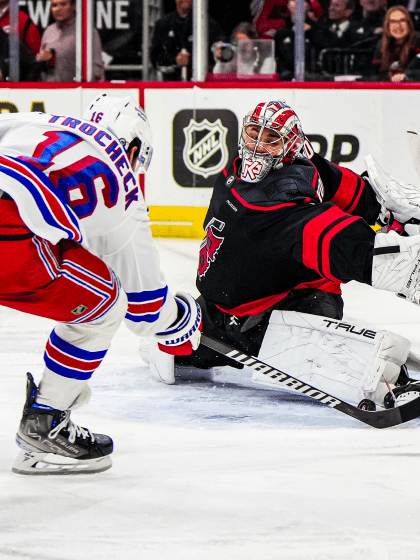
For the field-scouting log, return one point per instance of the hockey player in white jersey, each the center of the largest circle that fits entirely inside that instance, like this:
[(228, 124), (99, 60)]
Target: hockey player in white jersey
[(74, 229)]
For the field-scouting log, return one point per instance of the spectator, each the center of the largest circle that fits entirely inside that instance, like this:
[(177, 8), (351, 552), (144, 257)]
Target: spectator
[(270, 15), (58, 45), (251, 63), (172, 42), (397, 55), (29, 70), (366, 31), (285, 42), (335, 33), (28, 31), (233, 11), (364, 34)]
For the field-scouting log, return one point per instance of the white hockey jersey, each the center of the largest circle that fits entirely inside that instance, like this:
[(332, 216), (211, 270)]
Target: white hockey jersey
[(71, 179)]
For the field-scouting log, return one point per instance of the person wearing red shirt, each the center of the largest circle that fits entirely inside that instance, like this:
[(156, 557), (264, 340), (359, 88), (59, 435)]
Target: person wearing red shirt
[(28, 31)]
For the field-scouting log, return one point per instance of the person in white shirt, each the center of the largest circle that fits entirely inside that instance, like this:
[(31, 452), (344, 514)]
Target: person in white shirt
[(58, 45)]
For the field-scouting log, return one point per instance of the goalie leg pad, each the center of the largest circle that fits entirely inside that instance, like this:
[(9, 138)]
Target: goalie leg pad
[(162, 365), (183, 337), (390, 353), (334, 356)]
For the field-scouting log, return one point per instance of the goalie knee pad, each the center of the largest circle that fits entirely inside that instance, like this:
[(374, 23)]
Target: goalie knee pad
[(348, 361)]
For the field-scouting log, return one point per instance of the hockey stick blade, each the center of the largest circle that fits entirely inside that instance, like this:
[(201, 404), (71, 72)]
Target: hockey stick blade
[(380, 419)]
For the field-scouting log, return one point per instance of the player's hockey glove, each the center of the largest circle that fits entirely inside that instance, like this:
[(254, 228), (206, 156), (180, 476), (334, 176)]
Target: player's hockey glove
[(183, 336)]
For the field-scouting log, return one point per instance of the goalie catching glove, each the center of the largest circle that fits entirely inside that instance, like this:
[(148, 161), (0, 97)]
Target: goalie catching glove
[(183, 336), (400, 201)]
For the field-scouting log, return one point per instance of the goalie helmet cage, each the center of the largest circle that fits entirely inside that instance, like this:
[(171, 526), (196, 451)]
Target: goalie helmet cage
[(377, 419)]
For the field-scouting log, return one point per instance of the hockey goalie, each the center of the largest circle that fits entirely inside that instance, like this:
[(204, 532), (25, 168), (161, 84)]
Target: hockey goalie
[(284, 230)]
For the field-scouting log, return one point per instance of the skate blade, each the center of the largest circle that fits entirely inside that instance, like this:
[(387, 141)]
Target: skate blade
[(45, 464)]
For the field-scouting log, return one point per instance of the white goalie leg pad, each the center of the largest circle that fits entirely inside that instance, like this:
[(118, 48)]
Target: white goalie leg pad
[(413, 362), (390, 353), (396, 265), (162, 365), (338, 357), (401, 198)]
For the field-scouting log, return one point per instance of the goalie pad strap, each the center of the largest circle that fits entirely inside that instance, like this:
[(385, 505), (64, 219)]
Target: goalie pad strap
[(386, 250)]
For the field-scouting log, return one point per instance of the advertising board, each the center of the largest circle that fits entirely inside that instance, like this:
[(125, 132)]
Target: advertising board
[(196, 131)]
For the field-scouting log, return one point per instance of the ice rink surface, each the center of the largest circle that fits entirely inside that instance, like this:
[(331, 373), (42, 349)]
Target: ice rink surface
[(207, 470)]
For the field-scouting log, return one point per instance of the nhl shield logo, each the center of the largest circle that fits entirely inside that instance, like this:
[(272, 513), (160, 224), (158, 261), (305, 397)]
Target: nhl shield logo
[(79, 309), (205, 150)]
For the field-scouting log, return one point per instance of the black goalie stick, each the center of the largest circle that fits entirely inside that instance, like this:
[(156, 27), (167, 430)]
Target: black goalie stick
[(378, 419)]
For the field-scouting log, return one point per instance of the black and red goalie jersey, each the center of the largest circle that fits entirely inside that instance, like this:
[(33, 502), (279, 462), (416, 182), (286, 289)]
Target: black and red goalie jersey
[(306, 225)]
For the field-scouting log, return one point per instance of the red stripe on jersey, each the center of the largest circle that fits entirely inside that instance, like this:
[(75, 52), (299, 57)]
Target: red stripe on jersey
[(315, 179), (258, 306), (349, 191), (255, 307), (262, 208), (317, 236), (323, 285)]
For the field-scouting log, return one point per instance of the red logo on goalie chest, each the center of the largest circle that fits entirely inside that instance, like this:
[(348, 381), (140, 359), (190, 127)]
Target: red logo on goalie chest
[(210, 246), (251, 168)]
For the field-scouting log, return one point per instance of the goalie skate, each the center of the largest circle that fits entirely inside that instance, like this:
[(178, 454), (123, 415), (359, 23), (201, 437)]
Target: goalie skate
[(51, 444), (403, 394)]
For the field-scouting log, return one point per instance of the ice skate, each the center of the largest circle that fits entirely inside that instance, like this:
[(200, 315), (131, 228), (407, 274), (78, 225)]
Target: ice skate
[(51, 444), (402, 394)]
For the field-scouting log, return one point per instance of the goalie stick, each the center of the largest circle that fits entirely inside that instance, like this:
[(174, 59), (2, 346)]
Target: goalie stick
[(378, 419)]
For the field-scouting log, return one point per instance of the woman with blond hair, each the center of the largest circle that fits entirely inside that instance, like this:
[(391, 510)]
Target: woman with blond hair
[(397, 55)]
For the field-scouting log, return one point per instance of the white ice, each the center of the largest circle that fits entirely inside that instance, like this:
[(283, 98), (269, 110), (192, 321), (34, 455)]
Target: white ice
[(210, 471)]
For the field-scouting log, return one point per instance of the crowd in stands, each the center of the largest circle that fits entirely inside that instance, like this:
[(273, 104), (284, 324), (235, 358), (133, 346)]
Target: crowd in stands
[(363, 40), (52, 56)]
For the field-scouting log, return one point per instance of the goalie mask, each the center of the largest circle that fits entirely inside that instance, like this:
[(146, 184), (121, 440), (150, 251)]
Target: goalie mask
[(127, 121), (271, 135)]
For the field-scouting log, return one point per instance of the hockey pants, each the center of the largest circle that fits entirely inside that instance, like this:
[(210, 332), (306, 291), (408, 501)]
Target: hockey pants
[(66, 283)]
